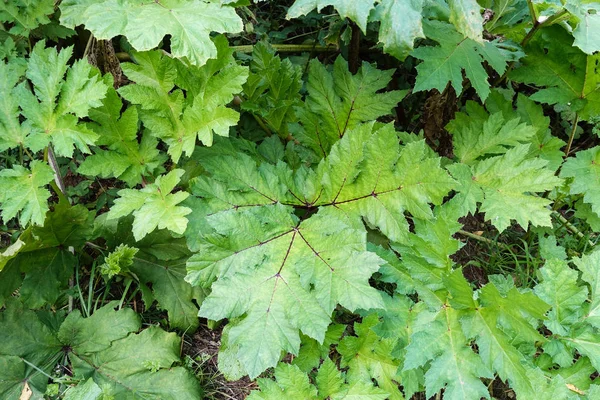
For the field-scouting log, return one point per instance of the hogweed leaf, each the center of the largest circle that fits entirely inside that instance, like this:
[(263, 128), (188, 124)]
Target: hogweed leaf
[(24, 194), (502, 185), (445, 63), (298, 271), (584, 168), (146, 23), (153, 206), (574, 84), (58, 100), (337, 102), (123, 156)]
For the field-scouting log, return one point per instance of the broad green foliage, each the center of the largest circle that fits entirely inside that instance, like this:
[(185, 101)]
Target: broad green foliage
[(159, 262), (43, 264), (274, 258), (339, 101), (573, 83), (330, 384), (400, 21), (24, 194), (61, 96), (273, 89), (25, 15), (123, 157), (196, 109), (145, 23), (276, 195), (585, 171), (95, 346), (445, 63), (153, 206)]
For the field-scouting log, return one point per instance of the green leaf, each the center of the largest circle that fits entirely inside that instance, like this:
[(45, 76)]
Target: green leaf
[(584, 168), (466, 17), (559, 289), (118, 261), (45, 258), (86, 391), (125, 364), (474, 138), (587, 29), (573, 84), (298, 273), (153, 206), (588, 265), (290, 383), (273, 88), (337, 102), (505, 321), (58, 101), (400, 25), (24, 16), (445, 63), (146, 23), (502, 183), (368, 174), (173, 293), (400, 20), (24, 194), (123, 157), (25, 336), (12, 134), (454, 367), (96, 333), (369, 358), (180, 119), (357, 11)]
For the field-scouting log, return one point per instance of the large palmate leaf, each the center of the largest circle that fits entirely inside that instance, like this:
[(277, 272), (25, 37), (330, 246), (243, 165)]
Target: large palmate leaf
[(25, 337), (445, 63), (180, 118), (122, 156), (146, 23), (297, 271), (153, 206), (58, 101), (103, 347), (502, 185), (585, 171), (454, 367), (24, 194), (339, 101), (573, 83), (351, 180), (44, 259)]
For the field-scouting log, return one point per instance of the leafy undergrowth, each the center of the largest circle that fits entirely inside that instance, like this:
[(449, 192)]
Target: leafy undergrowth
[(370, 200)]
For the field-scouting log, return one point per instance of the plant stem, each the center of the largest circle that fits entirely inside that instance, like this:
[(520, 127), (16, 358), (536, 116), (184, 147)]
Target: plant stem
[(572, 135), (571, 227)]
